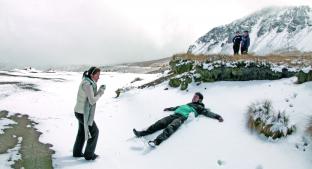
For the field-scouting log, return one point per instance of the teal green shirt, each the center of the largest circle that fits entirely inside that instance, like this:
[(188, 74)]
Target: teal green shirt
[(185, 110)]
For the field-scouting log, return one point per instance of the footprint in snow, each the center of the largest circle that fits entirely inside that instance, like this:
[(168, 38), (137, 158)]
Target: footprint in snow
[(294, 95), (221, 162), (302, 146), (259, 167)]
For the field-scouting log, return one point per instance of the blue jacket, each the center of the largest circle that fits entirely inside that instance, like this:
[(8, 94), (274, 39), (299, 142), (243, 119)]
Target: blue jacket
[(245, 42)]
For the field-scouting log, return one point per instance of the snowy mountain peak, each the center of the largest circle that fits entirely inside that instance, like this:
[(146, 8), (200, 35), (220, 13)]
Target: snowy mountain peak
[(272, 30)]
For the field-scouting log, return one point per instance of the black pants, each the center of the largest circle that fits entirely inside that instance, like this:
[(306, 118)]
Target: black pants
[(236, 49), (80, 139), (244, 51), (170, 124)]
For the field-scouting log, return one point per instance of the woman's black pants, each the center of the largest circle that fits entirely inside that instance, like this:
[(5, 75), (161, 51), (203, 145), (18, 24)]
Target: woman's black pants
[(80, 139)]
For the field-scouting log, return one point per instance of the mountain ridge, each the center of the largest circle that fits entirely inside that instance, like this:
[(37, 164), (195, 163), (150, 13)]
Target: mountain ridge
[(272, 30)]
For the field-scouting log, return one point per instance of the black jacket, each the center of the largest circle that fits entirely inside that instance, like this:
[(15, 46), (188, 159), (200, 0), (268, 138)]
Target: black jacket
[(237, 40), (200, 109)]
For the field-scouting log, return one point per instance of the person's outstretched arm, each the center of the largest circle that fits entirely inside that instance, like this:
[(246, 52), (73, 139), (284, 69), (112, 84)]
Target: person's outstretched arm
[(171, 108), (210, 114)]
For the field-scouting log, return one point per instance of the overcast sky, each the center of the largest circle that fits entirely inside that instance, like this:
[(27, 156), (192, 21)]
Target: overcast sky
[(100, 32)]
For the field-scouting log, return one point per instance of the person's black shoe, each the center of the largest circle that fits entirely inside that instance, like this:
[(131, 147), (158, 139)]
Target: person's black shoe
[(138, 133), (152, 144), (93, 157), (78, 155)]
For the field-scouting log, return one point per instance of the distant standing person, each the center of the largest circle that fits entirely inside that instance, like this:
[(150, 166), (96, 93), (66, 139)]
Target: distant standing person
[(245, 43), (236, 42), (87, 97)]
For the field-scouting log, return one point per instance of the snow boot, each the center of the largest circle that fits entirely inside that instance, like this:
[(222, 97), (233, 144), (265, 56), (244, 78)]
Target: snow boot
[(78, 155), (152, 144), (139, 133), (93, 157)]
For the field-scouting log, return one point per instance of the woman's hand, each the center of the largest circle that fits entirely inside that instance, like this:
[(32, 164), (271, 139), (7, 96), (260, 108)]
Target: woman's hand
[(103, 87)]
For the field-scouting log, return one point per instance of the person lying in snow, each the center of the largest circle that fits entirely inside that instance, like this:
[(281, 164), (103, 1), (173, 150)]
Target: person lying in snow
[(172, 122)]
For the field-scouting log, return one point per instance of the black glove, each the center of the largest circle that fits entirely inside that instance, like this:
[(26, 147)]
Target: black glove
[(103, 87), (220, 119), (167, 109)]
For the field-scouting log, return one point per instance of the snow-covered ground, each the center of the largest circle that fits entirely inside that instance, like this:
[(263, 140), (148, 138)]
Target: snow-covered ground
[(200, 143)]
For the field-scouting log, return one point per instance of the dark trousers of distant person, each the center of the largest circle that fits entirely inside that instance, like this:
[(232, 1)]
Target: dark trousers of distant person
[(236, 49), (80, 139), (170, 124), (244, 51)]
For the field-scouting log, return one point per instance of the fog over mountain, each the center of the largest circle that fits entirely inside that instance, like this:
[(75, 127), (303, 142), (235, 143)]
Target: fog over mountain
[(57, 32)]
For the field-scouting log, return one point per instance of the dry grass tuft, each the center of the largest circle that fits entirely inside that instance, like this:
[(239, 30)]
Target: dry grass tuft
[(291, 59), (263, 119), (309, 128)]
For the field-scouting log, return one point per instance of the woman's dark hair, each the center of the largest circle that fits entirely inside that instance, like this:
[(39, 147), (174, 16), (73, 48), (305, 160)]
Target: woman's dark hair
[(201, 97), (92, 71)]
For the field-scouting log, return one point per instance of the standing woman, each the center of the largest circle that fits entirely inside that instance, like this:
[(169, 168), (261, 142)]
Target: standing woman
[(87, 97)]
